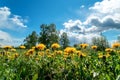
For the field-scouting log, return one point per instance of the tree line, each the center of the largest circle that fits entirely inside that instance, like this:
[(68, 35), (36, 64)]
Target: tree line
[(49, 35)]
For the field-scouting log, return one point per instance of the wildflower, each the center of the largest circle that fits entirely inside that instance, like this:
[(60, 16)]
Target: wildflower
[(10, 57), (27, 54), (118, 51), (22, 47), (16, 55), (83, 45), (80, 54), (116, 45), (33, 47), (55, 46), (100, 56), (49, 56), (47, 50), (59, 52), (104, 56), (30, 51), (40, 46), (41, 53), (13, 50), (70, 50), (107, 55), (109, 50), (94, 47), (37, 59), (7, 47)]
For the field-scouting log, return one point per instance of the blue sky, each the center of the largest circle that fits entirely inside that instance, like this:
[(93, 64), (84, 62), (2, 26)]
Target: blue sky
[(81, 19)]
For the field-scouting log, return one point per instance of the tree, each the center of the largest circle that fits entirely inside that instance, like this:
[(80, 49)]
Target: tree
[(100, 42), (64, 41), (48, 35), (118, 38), (31, 40)]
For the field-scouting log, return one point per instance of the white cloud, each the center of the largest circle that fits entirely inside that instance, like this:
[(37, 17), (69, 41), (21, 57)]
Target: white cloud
[(10, 21), (4, 35), (77, 37), (6, 39), (74, 26), (104, 16), (107, 6)]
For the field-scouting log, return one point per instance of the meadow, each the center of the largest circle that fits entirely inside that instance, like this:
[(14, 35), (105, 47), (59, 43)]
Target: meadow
[(39, 63)]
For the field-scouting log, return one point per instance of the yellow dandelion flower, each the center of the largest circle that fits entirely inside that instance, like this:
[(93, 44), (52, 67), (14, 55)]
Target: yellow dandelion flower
[(41, 46), (118, 51), (7, 47), (94, 47), (27, 54), (59, 52), (83, 46), (104, 56), (100, 56), (78, 52), (55, 46), (47, 50), (116, 45), (109, 50), (49, 56), (22, 47), (107, 55), (41, 53), (33, 47), (37, 59), (70, 50), (13, 50), (81, 54), (16, 55), (30, 51)]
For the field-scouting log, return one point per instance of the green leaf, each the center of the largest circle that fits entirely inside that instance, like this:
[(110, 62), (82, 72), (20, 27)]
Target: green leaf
[(118, 78), (35, 77), (107, 77)]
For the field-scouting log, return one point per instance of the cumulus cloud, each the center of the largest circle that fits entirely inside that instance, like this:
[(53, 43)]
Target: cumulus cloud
[(6, 39), (74, 26), (104, 16), (107, 7), (10, 21)]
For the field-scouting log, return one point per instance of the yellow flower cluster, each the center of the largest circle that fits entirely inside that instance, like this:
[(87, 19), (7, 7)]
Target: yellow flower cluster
[(59, 52), (80, 54), (83, 45), (55, 46), (116, 45), (40, 46), (108, 50), (29, 52), (104, 56), (70, 50)]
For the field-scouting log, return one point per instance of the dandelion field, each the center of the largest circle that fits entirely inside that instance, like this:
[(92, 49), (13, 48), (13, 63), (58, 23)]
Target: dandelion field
[(40, 63)]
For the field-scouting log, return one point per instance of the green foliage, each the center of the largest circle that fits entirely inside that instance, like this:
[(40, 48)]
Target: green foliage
[(50, 65), (100, 42), (118, 38), (48, 34), (31, 40), (64, 41)]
